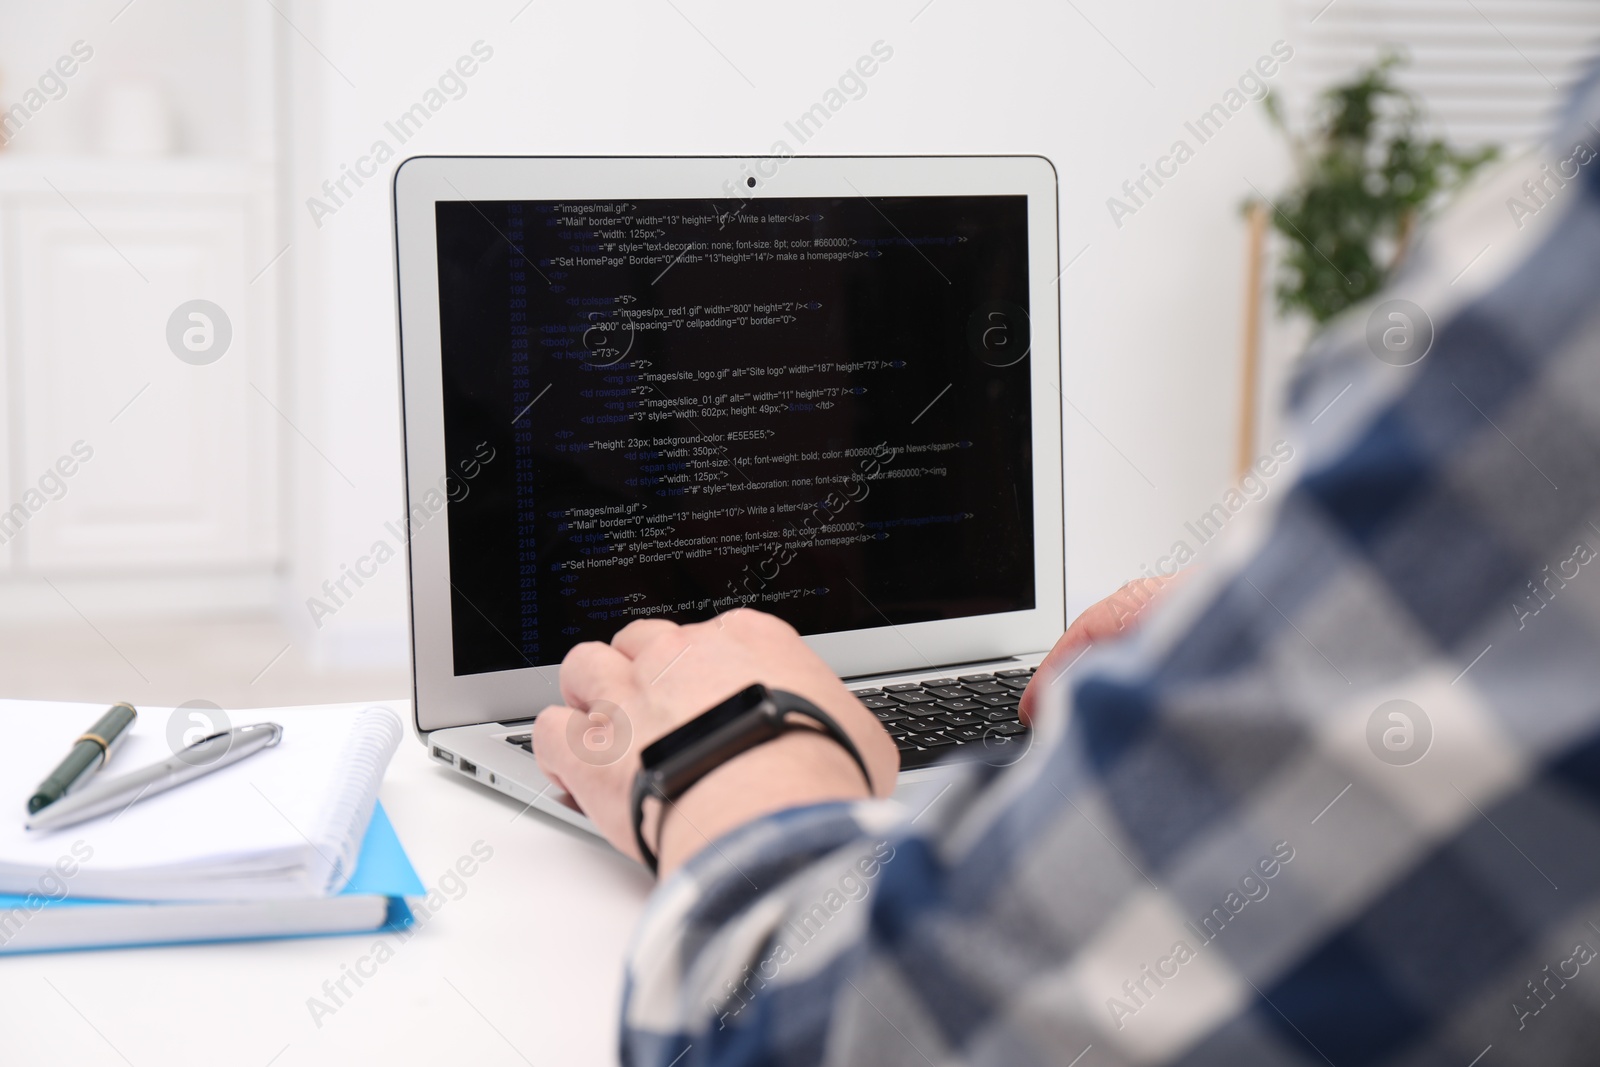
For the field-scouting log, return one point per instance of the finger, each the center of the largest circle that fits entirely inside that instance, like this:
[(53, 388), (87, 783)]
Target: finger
[(1102, 620), (595, 671), (1137, 596), (1108, 618), (550, 749), (1049, 680), (1048, 686), (1083, 632), (637, 635), (749, 620), (593, 789)]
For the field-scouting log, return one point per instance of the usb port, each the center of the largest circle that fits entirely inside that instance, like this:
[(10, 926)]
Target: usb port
[(442, 756), (467, 767)]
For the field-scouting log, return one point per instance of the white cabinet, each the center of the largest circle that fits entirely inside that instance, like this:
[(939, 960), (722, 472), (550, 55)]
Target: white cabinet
[(183, 472)]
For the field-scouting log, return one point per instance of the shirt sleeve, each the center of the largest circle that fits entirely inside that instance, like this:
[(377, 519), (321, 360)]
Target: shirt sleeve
[(1338, 802)]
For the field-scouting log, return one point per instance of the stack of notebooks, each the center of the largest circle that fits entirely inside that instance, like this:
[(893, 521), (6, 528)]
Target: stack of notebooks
[(288, 842)]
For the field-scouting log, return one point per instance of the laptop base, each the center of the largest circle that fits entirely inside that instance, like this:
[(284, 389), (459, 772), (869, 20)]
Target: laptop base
[(932, 724)]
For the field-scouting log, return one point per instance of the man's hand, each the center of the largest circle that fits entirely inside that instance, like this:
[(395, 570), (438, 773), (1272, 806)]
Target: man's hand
[(656, 675), (1106, 620)]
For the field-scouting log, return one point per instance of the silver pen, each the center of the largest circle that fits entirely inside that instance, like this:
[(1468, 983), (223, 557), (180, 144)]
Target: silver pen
[(204, 756)]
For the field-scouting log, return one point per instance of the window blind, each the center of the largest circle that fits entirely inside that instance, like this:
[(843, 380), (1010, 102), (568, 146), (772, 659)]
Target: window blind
[(1486, 71)]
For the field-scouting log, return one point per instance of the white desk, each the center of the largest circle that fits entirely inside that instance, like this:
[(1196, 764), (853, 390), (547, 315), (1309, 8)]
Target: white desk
[(524, 968)]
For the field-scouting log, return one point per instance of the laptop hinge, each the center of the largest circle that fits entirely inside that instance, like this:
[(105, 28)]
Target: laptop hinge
[(929, 670)]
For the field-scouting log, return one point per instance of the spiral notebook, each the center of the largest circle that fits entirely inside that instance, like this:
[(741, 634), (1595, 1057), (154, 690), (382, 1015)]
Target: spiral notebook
[(285, 823)]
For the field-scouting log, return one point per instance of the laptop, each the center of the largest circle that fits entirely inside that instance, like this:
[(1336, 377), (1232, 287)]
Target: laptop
[(822, 387)]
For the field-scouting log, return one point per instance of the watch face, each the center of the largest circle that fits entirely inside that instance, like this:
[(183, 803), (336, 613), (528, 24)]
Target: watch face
[(703, 726)]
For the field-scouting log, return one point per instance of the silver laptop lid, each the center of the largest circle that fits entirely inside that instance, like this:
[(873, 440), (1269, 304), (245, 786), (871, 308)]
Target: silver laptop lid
[(825, 387)]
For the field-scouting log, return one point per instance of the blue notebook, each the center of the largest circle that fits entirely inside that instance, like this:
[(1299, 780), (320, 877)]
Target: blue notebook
[(374, 899)]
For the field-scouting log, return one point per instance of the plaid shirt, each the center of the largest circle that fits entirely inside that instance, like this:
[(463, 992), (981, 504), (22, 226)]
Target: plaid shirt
[(1338, 802)]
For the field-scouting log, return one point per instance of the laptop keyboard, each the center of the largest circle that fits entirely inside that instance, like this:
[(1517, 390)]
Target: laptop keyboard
[(937, 717)]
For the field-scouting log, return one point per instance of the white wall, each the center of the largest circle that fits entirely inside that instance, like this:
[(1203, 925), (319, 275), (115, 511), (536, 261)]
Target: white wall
[(1152, 310)]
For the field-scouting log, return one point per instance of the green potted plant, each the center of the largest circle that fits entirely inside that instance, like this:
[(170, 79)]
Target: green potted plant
[(1364, 175)]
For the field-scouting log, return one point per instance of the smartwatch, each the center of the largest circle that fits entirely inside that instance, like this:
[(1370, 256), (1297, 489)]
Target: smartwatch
[(753, 716)]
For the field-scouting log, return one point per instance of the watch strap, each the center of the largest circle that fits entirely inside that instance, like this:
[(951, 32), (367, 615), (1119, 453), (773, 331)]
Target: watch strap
[(756, 727)]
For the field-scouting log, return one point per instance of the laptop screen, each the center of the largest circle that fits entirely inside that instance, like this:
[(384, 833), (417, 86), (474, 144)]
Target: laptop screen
[(817, 407)]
